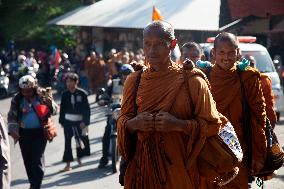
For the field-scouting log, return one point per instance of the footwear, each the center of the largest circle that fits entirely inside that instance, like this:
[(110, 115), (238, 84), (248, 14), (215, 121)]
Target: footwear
[(79, 162), (67, 168), (103, 163)]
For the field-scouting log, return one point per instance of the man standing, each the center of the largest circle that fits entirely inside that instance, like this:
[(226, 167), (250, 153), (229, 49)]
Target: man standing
[(227, 91), (168, 120), (75, 118)]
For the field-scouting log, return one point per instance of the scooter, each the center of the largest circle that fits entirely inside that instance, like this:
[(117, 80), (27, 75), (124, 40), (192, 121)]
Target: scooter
[(113, 148), (112, 114), (4, 85)]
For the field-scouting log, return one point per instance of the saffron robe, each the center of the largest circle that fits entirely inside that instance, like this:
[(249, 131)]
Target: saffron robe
[(266, 86), (226, 91), (167, 160)]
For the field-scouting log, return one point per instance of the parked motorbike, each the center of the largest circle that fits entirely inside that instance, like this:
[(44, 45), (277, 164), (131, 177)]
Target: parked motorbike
[(4, 85), (112, 114)]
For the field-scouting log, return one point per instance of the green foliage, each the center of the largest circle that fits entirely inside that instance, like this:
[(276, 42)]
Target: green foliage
[(25, 22)]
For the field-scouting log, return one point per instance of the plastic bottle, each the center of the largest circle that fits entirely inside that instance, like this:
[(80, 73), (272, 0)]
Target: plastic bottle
[(202, 64), (242, 65)]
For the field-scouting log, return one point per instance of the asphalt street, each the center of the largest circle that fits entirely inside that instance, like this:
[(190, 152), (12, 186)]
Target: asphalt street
[(89, 176)]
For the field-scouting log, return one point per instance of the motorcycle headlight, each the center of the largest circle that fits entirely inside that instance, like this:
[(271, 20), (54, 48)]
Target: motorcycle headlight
[(1, 81), (6, 80), (116, 113)]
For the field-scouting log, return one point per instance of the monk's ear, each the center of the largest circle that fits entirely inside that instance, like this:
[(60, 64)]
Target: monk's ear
[(173, 44), (213, 53), (239, 54)]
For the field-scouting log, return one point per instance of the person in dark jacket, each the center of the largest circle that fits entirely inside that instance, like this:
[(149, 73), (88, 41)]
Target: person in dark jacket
[(75, 118), (25, 126)]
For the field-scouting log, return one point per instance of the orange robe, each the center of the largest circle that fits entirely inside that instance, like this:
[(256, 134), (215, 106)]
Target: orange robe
[(99, 74), (266, 87), (225, 87), (167, 160), (89, 67)]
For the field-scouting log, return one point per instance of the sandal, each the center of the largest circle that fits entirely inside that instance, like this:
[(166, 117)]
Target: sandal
[(66, 169)]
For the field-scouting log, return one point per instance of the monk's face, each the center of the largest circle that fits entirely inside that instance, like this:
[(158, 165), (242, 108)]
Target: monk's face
[(156, 49), (190, 53), (226, 54)]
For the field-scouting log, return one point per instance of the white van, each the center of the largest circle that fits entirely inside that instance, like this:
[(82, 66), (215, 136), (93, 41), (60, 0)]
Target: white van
[(263, 63)]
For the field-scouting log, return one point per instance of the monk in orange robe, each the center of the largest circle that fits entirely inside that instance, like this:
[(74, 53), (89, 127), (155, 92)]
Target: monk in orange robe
[(172, 122), (266, 86), (226, 91), (89, 70), (99, 73)]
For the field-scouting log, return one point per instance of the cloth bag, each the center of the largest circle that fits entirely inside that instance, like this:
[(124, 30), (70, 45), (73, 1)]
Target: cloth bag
[(220, 156), (275, 155), (49, 130), (44, 115)]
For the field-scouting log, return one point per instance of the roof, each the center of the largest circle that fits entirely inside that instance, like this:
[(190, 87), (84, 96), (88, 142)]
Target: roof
[(182, 14)]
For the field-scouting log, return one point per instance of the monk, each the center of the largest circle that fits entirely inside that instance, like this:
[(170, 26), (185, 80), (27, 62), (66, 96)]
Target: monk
[(100, 73), (88, 67), (171, 122), (194, 52), (226, 91), (266, 86)]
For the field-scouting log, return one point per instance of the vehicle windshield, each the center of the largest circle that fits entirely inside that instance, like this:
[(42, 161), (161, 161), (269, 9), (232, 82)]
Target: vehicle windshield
[(263, 61)]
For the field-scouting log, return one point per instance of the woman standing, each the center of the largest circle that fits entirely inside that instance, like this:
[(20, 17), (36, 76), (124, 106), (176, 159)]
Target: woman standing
[(25, 127)]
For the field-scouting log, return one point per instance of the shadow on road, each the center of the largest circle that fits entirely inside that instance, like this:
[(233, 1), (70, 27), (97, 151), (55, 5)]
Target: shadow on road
[(71, 178), (18, 182)]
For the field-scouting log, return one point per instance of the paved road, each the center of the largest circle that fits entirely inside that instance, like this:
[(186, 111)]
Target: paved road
[(89, 176)]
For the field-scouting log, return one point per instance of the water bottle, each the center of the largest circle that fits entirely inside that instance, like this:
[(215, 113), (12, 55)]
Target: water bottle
[(202, 64), (242, 66)]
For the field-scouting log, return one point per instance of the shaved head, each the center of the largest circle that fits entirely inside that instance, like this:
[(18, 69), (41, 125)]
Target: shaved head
[(161, 29), (226, 37)]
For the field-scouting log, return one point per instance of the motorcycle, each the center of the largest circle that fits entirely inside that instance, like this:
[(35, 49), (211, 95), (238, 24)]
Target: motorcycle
[(4, 85), (113, 148), (112, 114)]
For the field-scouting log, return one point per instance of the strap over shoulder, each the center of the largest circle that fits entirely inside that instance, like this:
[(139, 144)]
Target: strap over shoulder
[(188, 73)]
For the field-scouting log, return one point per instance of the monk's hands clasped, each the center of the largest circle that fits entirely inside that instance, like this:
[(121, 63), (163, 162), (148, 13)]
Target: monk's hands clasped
[(142, 122), (161, 121), (166, 122)]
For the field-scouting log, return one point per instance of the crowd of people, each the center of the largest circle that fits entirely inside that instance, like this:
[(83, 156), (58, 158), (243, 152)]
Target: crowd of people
[(169, 110), (51, 69)]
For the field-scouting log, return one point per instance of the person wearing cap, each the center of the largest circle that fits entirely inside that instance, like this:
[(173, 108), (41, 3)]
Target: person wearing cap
[(25, 127), (75, 118), (113, 90)]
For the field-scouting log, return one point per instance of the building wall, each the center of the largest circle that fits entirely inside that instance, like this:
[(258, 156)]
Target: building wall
[(105, 39)]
